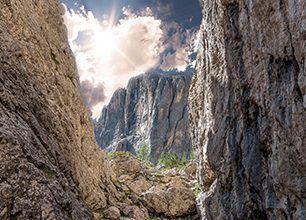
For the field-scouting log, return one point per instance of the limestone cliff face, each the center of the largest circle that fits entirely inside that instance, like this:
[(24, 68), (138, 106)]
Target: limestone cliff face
[(248, 109), (49, 162), (151, 111)]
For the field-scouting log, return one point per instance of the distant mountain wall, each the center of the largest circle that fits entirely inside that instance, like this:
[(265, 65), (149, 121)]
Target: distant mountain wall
[(152, 111)]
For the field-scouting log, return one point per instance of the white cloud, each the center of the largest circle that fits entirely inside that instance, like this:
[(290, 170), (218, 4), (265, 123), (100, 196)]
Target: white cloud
[(112, 53), (108, 53), (179, 60), (92, 94), (183, 45)]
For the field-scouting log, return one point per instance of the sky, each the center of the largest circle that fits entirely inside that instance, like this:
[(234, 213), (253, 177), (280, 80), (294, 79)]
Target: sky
[(114, 40)]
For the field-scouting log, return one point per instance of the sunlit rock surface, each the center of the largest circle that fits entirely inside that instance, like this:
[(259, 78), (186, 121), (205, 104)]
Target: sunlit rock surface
[(152, 111), (50, 166), (248, 109)]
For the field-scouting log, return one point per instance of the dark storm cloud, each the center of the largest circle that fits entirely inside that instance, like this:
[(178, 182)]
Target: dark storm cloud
[(92, 95)]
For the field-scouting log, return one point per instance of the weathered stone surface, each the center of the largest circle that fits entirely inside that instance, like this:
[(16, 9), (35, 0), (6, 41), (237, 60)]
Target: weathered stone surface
[(248, 112), (49, 162), (112, 213), (158, 192), (173, 202), (151, 111)]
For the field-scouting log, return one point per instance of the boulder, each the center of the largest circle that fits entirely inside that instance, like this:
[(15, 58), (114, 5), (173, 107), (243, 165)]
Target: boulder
[(112, 213)]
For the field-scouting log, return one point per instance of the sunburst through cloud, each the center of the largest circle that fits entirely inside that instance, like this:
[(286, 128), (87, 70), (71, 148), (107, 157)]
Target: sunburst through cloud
[(112, 48)]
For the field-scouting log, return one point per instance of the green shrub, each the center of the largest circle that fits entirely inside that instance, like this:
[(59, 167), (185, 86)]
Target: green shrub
[(114, 154), (196, 190), (143, 153), (192, 155), (184, 160), (171, 160)]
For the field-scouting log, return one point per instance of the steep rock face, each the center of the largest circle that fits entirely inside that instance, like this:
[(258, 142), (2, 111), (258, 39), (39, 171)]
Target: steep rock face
[(151, 111), (248, 109), (49, 162)]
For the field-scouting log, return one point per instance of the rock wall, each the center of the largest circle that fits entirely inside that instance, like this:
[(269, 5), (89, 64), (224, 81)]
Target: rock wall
[(49, 162), (248, 109), (151, 111)]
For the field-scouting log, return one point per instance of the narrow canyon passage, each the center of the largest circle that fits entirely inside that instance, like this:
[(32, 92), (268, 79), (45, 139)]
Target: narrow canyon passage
[(244, 88)]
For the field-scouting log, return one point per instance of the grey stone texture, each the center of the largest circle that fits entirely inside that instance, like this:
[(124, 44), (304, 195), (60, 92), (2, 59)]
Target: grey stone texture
[(247, 109)]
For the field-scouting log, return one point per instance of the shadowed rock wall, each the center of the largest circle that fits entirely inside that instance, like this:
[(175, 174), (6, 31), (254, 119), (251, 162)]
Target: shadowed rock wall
[(248, 109)]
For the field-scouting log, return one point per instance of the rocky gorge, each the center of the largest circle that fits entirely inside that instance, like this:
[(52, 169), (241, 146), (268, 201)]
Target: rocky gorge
[(247, 104), (151, 112), (50, 164)]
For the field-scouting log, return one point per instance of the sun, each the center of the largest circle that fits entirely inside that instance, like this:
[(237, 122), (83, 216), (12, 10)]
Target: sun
[(105, 42)]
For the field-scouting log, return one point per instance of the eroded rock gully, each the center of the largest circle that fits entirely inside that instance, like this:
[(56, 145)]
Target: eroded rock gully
[(248, 109), (50, 165)]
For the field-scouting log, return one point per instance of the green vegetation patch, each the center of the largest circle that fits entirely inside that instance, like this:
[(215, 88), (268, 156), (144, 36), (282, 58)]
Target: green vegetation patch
[(143, 153), (171, 160), (156, 174), (114, 154), (197, 190)]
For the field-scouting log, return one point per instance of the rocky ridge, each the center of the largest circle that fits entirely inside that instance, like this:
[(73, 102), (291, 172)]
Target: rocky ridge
[(152, 111), (248, 109)]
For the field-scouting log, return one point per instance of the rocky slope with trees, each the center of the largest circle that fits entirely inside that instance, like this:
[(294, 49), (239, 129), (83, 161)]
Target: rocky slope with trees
[(152, 112)]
